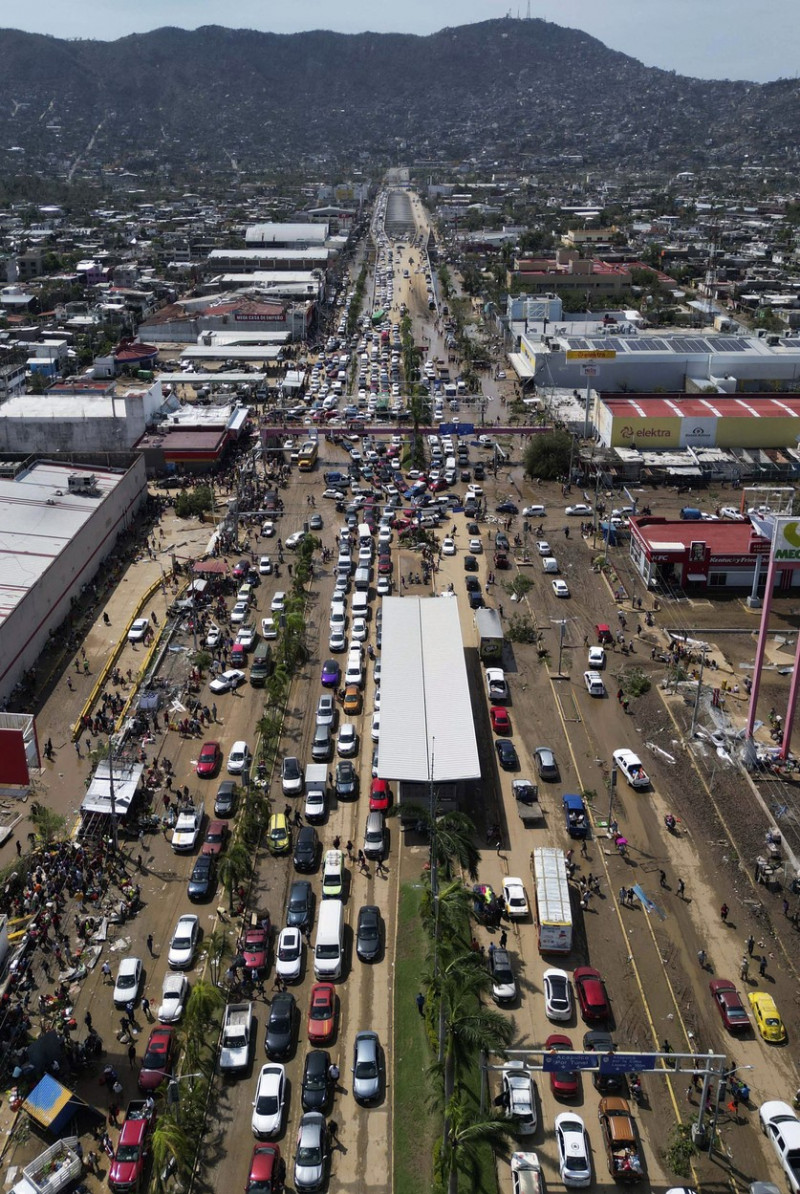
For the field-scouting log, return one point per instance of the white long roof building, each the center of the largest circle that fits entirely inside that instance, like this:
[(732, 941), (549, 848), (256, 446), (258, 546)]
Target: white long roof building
[(426, 711)]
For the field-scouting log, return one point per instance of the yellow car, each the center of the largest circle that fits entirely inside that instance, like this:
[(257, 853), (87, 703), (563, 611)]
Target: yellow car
[(278, 837), (767, 1017)]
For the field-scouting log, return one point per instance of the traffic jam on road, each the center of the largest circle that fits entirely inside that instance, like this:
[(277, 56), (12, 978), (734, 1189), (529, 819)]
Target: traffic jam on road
[(308, 1064)]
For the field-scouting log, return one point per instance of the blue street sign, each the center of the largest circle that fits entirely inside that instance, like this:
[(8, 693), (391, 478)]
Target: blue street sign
[(626, 1063), (555, 1062)]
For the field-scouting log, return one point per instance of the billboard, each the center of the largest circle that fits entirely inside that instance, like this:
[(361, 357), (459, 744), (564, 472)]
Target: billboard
[(699, 432), (646, 433), (786, 543)]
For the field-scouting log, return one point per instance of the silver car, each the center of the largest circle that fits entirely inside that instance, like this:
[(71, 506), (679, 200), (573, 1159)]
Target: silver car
[(366, 1067), (312, 1151)]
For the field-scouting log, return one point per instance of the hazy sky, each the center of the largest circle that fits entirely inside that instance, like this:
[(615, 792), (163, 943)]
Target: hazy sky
[(734, 39)]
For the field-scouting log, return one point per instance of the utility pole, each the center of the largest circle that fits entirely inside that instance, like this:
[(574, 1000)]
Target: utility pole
[(612, 789), (114, 838), (696, 709)]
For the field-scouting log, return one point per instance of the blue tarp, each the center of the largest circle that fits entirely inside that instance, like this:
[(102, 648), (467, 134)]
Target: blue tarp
[(51, 1105)]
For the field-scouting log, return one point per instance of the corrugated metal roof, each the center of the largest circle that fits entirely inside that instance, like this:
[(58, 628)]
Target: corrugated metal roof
[(425, 702)]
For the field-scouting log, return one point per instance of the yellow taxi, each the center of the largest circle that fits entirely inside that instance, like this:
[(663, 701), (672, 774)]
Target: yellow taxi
[(279, 839), (767, 1017)]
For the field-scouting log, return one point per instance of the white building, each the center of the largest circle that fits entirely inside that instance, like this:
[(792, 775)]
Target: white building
[(79, 417)]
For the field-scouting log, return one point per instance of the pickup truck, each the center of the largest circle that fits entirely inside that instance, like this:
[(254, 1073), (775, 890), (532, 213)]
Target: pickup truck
[(237, 1035), (780, 1125), (526, 796), (187, 829), (58, 1166), (619, 1139), (133, 1146), (576, 818), (631, 767)]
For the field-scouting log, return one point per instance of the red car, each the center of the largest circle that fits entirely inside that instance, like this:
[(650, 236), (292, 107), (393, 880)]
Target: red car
[(158, 1060), (592, 996), (267, 1170), (563, 1083), (729, 1005), (255, 949), (501, 722), (127, 1169), (322, 1013), (216, 837), (209, 760), (384, 565), (380, 796)]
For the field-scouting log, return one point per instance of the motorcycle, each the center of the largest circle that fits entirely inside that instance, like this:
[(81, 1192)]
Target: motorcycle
[(637, 1094), (671, 823)]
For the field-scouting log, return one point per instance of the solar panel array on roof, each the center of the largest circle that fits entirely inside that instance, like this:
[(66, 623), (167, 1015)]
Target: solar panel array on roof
[(643, 344), (684, 344), (790, 343), (727, 344)]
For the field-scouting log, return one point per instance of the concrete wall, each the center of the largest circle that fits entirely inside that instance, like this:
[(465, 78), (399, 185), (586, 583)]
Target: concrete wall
[(25, 632)]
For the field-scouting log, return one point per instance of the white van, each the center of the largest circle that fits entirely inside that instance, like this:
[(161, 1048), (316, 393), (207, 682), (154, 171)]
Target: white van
[(338, 616), (364, 535), (361, 604), (329, 944)]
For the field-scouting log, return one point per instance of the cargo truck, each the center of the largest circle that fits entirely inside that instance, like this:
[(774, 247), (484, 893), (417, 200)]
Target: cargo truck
[(552, 910), (54, 1169), (490, 634)]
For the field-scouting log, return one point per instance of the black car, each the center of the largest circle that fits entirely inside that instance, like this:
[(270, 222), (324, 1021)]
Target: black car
[(506, 753), (473, 528), (501, 541), (203, 878), (598, 1041), (306, 849), (479, 472), (281, 1025), (369, 933), (300, 905), (470, 564), (225, 800), (475, 599), (346, 780), (507, 508), (472, 584), (315, 1091)]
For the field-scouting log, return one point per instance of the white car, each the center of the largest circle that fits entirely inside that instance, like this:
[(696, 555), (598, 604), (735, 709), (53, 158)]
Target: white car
[(549, 564), (376, 725), (497, 685), (268, 529), (631, 767), (543, 547), (174, 993), (269, 628), (385, 535), (238, 758), (265, 566), (269, 1101), (514, 898), (184, 942), (337, 642), (129, 979), (780, 1125), (239, 612), (449, 546), (294, 540), (384, 586), (557, 995), (289, 955), (534, 511), (519, 1098), (138, 630), (561, 588), (359, 630), (347, 741), (214, 636), (355, 671), (594, 684), (228, 681), (574, 1163), (475, 547), (246, 637), (579, 508), (596, 658), (278, 603)]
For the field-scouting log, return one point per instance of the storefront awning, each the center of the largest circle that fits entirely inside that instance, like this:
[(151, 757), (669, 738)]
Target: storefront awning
[(211, 567), (521, 366), (126, 778)]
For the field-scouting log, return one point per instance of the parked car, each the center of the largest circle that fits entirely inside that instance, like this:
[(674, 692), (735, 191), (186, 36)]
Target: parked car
[(267, 1170), (767, 1016), (184, 942), (128, 981), (322, 1013), (518, 1096), (291, 776), (208, 760), (268, 1104), (557, 994), (306, 849), (369, 933), (574, 1161), (158, 1059), (311, 1153), (563, 1083), (546, 764), (300, 904), (729, 1005), (203, 877), (592, 997), (514, 898), (367, 1067), (289, 955), (281, 1025), (174, 993), (504, 987), (315, 1090), (507, 754)]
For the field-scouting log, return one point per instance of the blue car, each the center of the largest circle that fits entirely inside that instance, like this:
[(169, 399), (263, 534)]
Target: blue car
[(575, 816)]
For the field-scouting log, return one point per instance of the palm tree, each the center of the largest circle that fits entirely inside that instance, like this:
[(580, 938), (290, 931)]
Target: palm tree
[(172, 1147), (203, 1005), (454, 835), (233, 868), (448, 915), (467, 1131), (468, 1027)]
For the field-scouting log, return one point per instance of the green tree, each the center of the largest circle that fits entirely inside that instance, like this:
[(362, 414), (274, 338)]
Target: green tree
[(454, 839), (450, 911), (47, 824), (468, 1132), (173, 1149), (548, 456), (234, 867)]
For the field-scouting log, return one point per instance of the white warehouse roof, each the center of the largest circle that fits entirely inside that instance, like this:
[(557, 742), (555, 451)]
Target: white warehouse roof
[(426, 711)]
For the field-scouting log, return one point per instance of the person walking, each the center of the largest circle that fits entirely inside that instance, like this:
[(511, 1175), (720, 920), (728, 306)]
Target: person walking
[(762, 965), (333, 1073), (503, 939), (662, 878), (744, 968), (87, 1019), (584, 849), (623, 896), (749, 943), (681, 888), (131, 1055), (145, 1006), (701, 957), (106, 971), (419, 999), (724, 912), (150, 945)]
